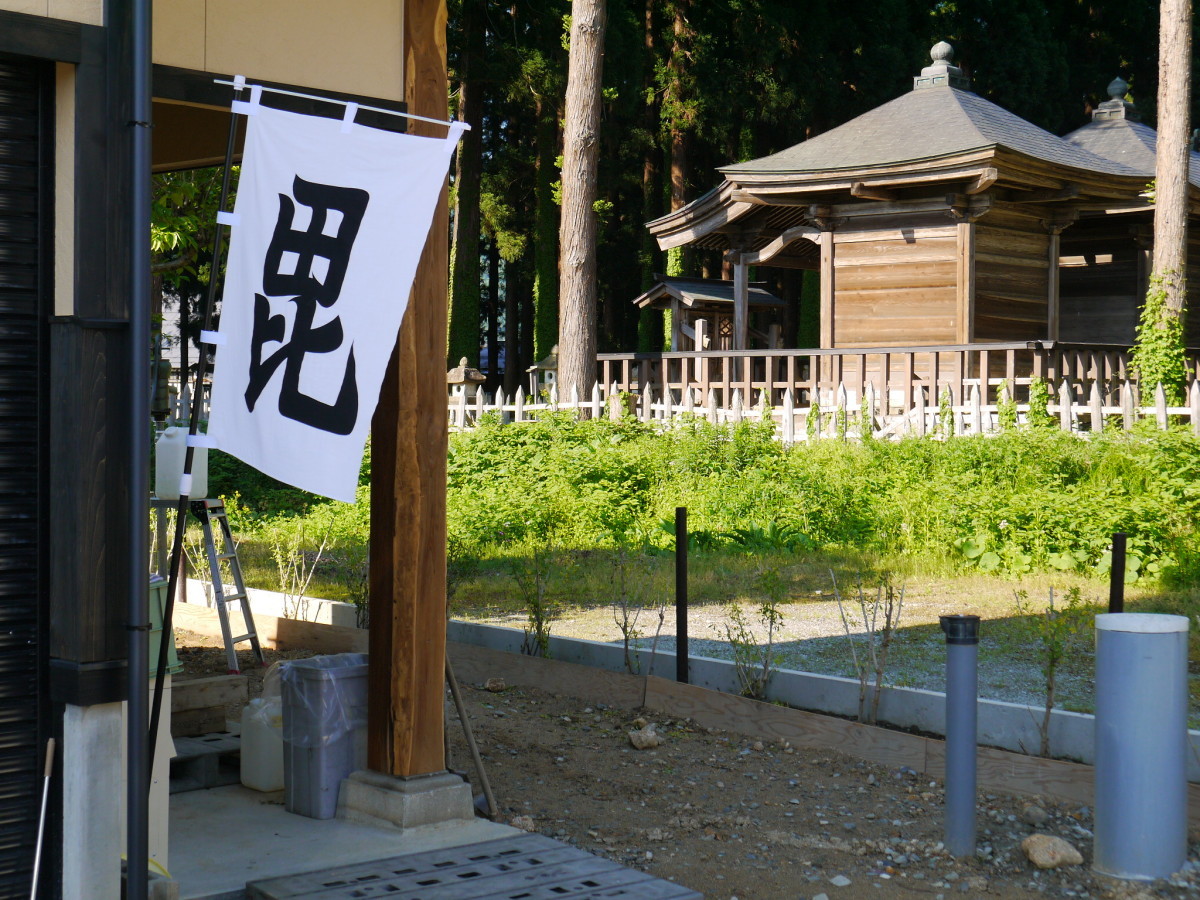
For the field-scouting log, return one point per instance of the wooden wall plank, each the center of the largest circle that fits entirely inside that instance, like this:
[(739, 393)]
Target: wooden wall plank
[(277, 633)]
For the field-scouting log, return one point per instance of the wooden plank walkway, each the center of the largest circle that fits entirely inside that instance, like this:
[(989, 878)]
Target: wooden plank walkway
[(526, 866)]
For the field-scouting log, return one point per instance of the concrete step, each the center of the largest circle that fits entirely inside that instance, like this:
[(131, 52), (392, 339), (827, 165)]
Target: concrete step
[(207, 761)]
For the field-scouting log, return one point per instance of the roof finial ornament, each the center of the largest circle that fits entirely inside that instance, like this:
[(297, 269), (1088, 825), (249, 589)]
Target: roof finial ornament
[(942, 73), (1116, 107)]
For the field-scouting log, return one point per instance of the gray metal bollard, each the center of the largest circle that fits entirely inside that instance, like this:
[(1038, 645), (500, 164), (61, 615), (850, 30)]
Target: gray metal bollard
[(962, 696), (1141, 745)]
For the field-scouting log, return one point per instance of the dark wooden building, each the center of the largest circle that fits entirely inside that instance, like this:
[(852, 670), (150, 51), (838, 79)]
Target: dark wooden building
[(938, 218)]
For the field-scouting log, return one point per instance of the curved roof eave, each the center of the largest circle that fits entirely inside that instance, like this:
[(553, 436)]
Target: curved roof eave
[(705, 214)]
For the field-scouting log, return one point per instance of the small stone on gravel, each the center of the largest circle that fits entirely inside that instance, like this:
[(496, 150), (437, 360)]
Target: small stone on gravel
[(1049, 852)]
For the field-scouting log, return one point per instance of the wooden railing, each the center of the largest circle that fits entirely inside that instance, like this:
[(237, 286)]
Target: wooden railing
[(931, 414), (896, 373)]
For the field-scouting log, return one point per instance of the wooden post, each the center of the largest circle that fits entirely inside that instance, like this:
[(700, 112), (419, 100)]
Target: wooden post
[(1096, 408), (1194, 406), (408, 473), (1052, 282), (741, 305)]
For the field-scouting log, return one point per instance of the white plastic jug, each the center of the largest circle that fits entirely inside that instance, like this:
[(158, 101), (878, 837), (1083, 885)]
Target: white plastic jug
[(262, 744), (168, 465)]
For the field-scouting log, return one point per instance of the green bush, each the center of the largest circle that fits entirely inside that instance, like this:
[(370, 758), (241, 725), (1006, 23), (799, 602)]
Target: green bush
[(1021, 501)]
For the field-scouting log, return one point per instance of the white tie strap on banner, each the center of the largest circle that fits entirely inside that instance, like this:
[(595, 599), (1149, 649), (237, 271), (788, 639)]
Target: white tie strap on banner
[(332, 223)]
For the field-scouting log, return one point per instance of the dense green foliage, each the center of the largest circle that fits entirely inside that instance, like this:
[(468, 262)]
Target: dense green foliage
[(1022, 501)]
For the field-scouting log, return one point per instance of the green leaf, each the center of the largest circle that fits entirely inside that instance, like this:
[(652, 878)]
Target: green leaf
[(989, 561)]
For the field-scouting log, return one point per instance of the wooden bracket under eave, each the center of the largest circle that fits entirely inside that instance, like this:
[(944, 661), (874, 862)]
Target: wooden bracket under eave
[(968, 209), (864, 191), (982, 182)]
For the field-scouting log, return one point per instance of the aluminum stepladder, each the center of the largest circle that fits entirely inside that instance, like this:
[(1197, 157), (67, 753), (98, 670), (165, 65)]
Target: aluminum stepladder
[(208, 512)]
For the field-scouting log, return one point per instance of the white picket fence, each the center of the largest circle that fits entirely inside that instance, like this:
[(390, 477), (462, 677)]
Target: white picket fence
[(844, 415)]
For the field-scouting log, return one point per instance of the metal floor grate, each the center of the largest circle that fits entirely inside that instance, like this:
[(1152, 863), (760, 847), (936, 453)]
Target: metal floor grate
[(524, 867)]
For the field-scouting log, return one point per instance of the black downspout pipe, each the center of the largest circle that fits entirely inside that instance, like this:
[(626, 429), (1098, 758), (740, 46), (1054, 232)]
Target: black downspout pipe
[(138, 766)]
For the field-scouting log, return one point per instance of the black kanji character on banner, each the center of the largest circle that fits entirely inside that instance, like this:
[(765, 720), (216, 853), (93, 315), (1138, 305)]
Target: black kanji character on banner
[(308, 266)]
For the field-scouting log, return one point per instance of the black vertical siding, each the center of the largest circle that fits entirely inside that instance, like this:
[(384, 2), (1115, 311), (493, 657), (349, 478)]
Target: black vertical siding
[(23, 282)]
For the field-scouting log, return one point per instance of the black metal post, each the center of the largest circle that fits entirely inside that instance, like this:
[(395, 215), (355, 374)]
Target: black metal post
[(137, 795), (681, 595), (1116, 575)]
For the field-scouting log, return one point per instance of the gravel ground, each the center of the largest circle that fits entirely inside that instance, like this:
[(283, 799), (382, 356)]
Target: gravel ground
[(736, 819), (812, 638)]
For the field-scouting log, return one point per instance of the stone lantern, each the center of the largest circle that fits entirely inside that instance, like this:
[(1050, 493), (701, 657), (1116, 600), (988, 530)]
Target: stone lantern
[(543, 374), (464, 379)]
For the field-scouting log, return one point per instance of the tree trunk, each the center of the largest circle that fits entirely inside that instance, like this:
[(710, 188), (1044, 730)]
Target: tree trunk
[(577, 235), (464, 275), (493, 316), (678, 116), (545, 239), (1171, 170), (513, 287)]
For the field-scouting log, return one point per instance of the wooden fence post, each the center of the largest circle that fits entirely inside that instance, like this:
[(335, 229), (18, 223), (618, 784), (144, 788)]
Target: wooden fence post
[(1160, 406), (1065, 412), (919, 409), (1128, 406), (1096, 408), (866, 424), (976, 411), (519, 405), (1194, 403), (788, 423)]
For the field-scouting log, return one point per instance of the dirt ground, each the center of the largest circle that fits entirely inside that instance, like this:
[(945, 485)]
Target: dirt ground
[(732, 818)]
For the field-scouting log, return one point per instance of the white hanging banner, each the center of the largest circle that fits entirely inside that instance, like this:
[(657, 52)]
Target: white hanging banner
[(330, 224)]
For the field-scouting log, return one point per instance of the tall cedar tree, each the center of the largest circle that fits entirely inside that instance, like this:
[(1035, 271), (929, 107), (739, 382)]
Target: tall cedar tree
[(1171, 170), (577, 236), (463, 332)]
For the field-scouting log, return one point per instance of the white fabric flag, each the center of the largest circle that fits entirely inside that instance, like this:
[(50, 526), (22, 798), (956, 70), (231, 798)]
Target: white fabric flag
[(328, 227)]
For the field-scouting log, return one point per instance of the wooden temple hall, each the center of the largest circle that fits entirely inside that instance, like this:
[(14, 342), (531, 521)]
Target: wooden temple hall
[(956, 245)]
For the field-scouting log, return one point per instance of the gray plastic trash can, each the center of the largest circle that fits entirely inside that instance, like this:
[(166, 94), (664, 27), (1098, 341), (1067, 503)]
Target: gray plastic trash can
[(324, 725)]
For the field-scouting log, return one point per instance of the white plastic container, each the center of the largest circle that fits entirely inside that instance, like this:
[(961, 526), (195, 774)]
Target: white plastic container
[(168, 466), (262, 744)]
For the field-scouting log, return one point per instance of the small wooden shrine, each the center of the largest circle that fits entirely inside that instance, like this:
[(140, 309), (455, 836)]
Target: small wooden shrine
[(940, 218)]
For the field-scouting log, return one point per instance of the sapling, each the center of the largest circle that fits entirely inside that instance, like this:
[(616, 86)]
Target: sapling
[(888, 602), (755, 662), (1053, 630), (532, 575), (294, 565), (629, 582)]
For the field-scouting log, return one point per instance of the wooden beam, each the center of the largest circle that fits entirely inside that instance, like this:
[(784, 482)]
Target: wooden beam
[(277, 633), (776, 246), (408, 472), (982, 182), (1068, 192), (865, 191), (214, 690)]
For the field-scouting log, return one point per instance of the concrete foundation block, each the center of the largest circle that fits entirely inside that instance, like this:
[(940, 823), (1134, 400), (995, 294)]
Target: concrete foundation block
[(372, 798)]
